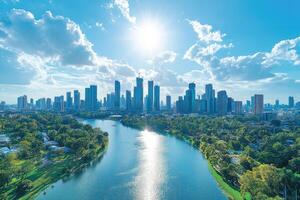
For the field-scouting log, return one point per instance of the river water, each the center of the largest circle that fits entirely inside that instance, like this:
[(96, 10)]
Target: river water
[(141, 165)]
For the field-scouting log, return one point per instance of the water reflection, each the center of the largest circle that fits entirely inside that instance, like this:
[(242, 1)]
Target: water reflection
[(151, 174)]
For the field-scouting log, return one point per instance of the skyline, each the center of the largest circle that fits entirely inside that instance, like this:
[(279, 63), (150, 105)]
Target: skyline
[(109, 40), (146, 98)]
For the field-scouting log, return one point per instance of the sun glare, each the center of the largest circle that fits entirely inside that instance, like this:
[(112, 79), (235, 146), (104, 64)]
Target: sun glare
[(148, 36)]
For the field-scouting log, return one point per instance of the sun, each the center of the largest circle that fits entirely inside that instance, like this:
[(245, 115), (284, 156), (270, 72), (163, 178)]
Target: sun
[(149, 36)]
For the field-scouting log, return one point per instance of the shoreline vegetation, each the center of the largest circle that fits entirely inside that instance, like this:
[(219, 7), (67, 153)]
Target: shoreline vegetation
[(49, 147), (240, 171)]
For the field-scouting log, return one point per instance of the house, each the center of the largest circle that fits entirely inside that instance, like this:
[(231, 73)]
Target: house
[(4, 139)]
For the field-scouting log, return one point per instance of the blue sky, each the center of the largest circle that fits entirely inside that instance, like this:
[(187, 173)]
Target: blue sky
[(48, 47)]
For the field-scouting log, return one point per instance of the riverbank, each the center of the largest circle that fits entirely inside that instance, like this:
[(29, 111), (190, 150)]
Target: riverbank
[(51, 147), (228, 190)]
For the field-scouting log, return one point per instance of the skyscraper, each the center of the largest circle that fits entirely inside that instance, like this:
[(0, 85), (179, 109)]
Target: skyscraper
[(191, 98), (138, 95), (128, 100), (291, 102), (238, 107), (94, 100), (48, 104), (156, 98), (168, 102), (150, 97), (258, 104), (69, 104), (117, 95), (76, 100), (58, 104), (180, 105), (22, 103), (210, 98), (222, 103), (87, 99), (91, 100)]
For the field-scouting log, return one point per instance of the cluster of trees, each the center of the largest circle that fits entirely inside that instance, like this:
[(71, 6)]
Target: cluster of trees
[(260, 160), (24, 131)]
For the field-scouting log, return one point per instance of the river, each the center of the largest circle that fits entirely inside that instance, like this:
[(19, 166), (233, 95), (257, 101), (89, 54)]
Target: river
[(141, 165)]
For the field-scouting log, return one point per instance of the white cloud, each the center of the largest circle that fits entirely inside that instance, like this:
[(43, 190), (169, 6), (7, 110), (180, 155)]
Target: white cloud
[(285, 50), (163, 58), (205, 32), (51, 36), (123, 6)]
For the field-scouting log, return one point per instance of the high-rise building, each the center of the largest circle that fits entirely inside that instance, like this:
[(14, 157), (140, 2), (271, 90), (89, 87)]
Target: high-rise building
[(276, 103), (94, 99), (69, 103), (168, 102), (291, 102), (238, 107), (128, 100), (191, 107), (2, 105), (91, 100), (258, 104), (48, 104), (150, 97), (117, 101), (58, 104), (180, 105), (230, 104), (123, 102), (138, 95), (156, 98), (210, 98), (22, 103), (76, 100), (222, 103), (87, 99), (41, 104)]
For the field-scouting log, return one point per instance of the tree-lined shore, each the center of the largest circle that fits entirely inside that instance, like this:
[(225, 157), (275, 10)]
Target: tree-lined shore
[(42, 149)]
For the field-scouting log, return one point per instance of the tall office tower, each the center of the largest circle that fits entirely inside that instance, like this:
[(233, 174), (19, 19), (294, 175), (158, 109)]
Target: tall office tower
[(192, 98), (238, 107), (58, 104), (179, 105), (94, 100), (248, 106), (258, 104), (210, 98), (156, 98), (150, 97), (276, 103), (222, 103), (41, 104), (128, 100), (2, 105), (22, 103), (48, 104), (69, 103), (117, 98), (87, 99), (76, 100), (168, 102), (230, 104), (252, 104), (138, 95), (291, 102), (123, 102)]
